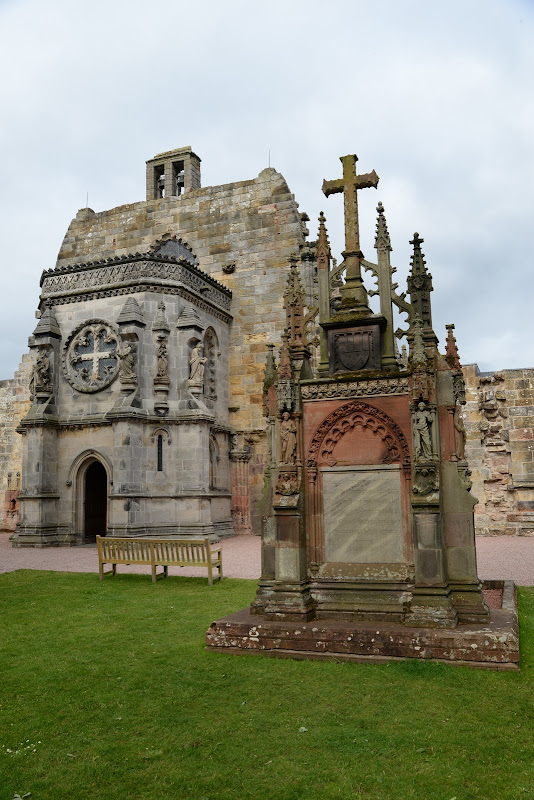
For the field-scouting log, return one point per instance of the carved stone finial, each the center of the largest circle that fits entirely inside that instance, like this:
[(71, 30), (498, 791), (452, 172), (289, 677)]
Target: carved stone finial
[(418, 357), (382, 234), (419, 286), (269, 404), (285, 371), (452, 357), (270, 368), (323, 253), (294, 305)]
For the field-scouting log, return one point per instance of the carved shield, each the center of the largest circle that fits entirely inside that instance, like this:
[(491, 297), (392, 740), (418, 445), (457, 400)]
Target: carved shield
[(353, 349)]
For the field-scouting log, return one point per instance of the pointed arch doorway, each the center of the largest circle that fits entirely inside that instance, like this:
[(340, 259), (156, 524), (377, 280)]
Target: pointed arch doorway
[(95, 501)]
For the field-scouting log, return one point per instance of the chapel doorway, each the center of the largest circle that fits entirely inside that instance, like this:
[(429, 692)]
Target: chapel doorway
[(95, 502)]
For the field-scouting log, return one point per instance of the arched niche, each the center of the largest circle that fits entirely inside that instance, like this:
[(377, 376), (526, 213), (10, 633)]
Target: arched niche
[(214, 462), (211, 352)]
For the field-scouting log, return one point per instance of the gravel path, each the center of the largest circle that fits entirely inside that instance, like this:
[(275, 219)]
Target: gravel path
[(499, 557)]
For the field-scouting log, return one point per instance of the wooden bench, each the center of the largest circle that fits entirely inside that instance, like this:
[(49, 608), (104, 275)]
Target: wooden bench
[(159, 553)]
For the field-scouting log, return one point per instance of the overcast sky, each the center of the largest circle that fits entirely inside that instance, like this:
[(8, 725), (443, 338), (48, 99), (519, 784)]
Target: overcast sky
[(436, 97)]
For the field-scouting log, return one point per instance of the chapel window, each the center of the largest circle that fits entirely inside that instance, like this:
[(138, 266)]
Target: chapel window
[(160, 452)]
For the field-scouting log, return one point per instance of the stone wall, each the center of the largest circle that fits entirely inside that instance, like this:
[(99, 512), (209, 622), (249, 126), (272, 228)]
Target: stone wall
[(499, 421), (14, 404)]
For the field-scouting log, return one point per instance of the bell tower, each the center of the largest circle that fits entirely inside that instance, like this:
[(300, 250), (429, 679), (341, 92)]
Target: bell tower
[(172, 173)]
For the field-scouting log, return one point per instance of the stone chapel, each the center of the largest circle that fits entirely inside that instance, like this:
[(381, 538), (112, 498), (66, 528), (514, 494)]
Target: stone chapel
[(146, 364)]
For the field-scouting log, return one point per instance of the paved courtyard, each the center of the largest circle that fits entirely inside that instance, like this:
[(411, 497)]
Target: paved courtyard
[(499, 557)]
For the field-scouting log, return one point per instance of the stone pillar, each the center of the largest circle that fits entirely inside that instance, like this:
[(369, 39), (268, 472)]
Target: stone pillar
[(39, 495), (240, 489)]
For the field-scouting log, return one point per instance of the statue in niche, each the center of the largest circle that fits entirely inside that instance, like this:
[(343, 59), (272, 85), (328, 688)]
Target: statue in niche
[(197, 363), (162, 359), (40, 379), (459, 434), (126, 357), (288, 439), (423, 439)]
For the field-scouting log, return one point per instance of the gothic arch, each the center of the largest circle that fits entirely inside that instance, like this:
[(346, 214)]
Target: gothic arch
[(346, 418), (84, 459), (99, 483)]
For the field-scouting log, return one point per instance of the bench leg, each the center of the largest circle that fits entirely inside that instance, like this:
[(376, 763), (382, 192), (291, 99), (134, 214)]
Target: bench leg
[(165, 572), (154, 578), (112, 571), (210, 574)]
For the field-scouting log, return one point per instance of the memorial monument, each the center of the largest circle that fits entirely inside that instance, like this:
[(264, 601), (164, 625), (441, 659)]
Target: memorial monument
[(368, 544)]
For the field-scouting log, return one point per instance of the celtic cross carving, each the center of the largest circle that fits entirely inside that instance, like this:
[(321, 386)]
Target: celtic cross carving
[(91, 356)]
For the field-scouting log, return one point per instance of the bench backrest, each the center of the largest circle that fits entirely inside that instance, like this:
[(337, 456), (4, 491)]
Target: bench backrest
[(159, 551), (188, 551)]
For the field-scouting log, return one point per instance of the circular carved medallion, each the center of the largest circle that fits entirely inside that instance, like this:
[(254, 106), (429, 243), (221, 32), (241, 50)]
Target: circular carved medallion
[(91, 356)]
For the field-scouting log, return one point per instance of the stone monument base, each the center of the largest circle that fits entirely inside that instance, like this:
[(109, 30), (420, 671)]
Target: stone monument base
[(493, 645)]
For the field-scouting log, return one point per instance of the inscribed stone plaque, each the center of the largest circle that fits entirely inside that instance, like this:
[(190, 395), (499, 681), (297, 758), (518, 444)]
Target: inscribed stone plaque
[(362, 515)]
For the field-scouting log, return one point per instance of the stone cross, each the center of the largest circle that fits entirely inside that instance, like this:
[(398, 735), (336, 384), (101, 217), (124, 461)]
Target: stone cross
[(94, 357), (354, 296)]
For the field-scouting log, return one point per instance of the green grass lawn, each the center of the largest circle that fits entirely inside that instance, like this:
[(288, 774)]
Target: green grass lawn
[(106, 692)]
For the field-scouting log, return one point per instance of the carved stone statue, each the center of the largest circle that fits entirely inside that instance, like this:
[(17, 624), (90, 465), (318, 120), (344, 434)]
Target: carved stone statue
[(126, 357), (459, 434), (426, 483), (40, 379), (197, 364), (423, 439), (163, 360), (288, 439), (287, 484)]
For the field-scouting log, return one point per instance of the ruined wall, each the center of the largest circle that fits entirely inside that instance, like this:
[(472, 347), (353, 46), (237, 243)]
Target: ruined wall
[(14, 404), (499, 421)]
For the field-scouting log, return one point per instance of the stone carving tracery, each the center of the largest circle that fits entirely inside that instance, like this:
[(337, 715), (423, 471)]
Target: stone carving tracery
[(344, 419), (92, 355)]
